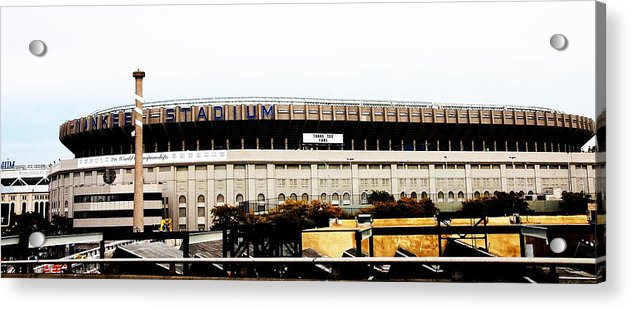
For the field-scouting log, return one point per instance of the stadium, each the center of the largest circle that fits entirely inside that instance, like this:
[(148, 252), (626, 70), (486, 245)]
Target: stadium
[(260, 151)]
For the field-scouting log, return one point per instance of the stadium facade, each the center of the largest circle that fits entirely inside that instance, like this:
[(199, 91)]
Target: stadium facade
[(24, 188), (259, 152)]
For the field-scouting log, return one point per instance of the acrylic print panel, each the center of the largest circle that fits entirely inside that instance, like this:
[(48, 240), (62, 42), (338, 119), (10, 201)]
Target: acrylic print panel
[(376, 141)]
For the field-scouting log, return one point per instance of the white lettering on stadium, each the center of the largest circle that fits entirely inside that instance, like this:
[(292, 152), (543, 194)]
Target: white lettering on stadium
[(154, 158)]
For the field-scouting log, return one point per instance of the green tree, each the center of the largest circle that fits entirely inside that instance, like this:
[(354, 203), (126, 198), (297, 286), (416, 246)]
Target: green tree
[(476, 207), (574, 203), (226, 215), (379, 196), (321, 212), (304, 215), (292, 214), (61, 224), (500, 204), (27, 223), (403, 208)]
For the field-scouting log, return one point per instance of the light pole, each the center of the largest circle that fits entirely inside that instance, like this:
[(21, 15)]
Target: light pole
[(444, 175), (326, 181), (350, 166), (513, 163), (569, 172)]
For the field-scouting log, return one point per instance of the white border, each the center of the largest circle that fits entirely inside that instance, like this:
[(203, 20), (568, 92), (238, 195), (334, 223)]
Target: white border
[(30, 293)]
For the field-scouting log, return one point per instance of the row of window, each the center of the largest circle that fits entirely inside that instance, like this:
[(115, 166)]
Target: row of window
[(335, 198), (39, 207), (118, 197), (445, 165), (24, 197), (124, 213)]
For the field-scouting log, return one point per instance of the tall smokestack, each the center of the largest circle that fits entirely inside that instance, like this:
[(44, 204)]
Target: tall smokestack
[(139, 216)]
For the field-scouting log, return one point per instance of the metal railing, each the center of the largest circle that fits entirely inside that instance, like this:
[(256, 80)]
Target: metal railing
[(497, 269), (89, 254), (328, 260)]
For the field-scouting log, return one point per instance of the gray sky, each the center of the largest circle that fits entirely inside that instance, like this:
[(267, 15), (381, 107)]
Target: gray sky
[(494, 53)]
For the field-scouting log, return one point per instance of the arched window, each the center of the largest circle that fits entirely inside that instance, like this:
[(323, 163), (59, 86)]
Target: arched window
[(487, 194), (293, 197), (413, 195), (335, 199), (402, 194), (260, 202), (37, 207), (201, 212), (476, 194), (305, 197), (346, 198), (323, 197), (182, 209), (450, 197), (521, 193), (220, 200), (460, 196), (281, 199), (530, 192), (424, 195), (24, 208), (239, 198), (441, 196), (364, 198)]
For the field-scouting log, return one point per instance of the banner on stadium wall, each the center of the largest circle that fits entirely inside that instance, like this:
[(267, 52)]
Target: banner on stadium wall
[(154, 158), (322, 138)]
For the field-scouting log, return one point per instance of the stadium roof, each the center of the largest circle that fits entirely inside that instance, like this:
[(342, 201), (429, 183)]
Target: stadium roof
[(330, 102)]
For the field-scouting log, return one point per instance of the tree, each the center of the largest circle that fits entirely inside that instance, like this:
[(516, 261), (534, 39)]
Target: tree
[(27, 223), (504, 204), (500, 204), (321, 212), (61, 224), (574, 203), (476, 207), (304, 215), (291, 214), (226, 215), (403, 208), (380, 196)]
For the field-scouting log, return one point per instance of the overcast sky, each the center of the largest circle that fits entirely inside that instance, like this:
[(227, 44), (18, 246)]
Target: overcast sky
[(473, 53)]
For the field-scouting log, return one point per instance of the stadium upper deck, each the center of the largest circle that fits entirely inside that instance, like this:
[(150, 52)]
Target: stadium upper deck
[(278, 123)]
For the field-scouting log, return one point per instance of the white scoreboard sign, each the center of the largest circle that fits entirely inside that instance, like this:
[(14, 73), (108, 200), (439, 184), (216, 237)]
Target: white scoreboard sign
[(322, 138)]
